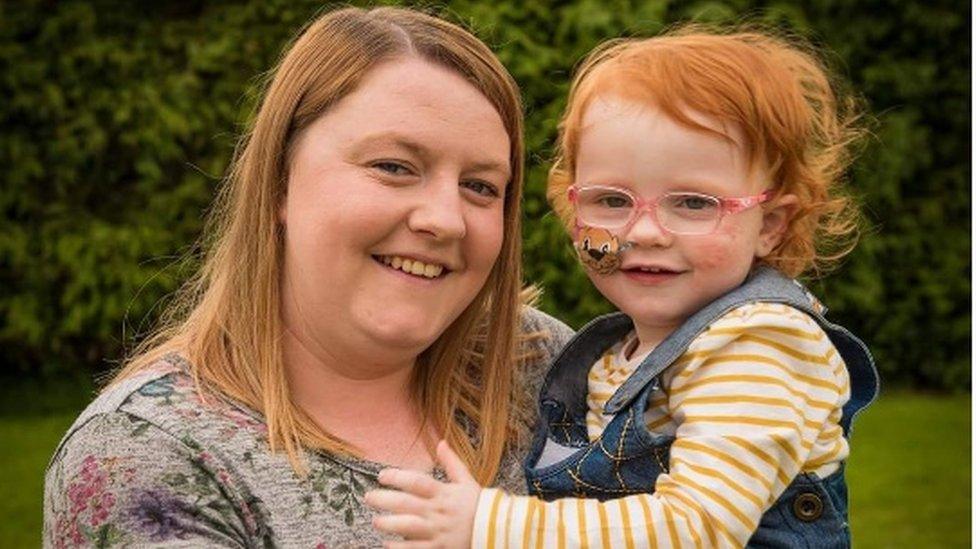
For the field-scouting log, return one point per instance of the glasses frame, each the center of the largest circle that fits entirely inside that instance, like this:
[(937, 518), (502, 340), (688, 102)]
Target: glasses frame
[(727, 205)]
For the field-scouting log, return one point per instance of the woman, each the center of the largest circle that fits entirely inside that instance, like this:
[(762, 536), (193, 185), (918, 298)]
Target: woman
[(360, 301)]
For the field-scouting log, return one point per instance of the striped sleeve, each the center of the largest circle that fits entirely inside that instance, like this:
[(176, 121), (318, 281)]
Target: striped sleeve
[(753, 402)]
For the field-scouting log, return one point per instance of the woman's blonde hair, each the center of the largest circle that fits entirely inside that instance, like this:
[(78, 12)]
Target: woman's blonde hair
[(227, 321), (776, 89)]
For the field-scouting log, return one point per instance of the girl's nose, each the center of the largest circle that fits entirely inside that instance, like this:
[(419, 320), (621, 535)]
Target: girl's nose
[(645, 230)]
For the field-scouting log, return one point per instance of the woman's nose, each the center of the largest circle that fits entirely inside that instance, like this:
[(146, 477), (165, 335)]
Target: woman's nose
[(439, 211)]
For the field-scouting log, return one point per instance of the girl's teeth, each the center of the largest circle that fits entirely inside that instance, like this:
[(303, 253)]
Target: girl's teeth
[(396, 262)]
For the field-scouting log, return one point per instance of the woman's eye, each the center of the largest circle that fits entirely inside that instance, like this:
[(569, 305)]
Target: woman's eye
[(481, 188), (392, 168)]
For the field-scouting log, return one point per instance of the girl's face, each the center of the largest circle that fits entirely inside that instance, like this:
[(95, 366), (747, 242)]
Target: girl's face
[(394, 213), (664, 278)]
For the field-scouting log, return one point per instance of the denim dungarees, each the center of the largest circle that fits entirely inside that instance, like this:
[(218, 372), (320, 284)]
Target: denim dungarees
[(627, 458)]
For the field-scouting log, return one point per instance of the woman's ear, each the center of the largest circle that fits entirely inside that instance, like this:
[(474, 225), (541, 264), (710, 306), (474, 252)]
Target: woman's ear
[(282, 209), (776, 219)]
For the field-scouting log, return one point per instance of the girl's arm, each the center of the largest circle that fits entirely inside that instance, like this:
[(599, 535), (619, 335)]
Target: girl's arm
[(750, 402)]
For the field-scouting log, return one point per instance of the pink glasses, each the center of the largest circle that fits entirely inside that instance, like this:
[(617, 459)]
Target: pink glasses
[(682, 213)]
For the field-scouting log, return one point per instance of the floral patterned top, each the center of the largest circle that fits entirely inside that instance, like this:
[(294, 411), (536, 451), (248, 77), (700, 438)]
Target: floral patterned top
[(150, 464)]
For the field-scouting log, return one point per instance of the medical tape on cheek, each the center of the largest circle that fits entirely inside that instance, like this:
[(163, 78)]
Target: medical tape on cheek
[(599, 250)]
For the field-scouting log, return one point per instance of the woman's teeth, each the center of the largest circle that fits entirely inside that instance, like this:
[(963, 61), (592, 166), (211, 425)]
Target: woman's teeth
[(419, 268)]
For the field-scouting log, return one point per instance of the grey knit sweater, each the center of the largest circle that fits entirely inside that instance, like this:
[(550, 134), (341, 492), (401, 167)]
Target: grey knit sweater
[(149, 464)]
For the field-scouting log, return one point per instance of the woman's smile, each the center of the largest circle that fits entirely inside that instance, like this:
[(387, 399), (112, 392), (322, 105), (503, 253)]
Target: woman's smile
[(414, 267)]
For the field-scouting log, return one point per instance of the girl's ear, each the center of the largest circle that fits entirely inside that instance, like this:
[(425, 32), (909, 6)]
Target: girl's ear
[(776, 219)]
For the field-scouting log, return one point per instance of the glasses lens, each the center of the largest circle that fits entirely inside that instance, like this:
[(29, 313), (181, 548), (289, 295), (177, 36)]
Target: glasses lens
[(689, 213), (603, 207)]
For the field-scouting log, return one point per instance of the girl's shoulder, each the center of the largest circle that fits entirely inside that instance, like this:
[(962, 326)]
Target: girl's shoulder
[(783, 334), (756, 315)]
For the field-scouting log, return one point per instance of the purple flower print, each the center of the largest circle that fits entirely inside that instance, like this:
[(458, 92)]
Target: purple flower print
[(157, 514)]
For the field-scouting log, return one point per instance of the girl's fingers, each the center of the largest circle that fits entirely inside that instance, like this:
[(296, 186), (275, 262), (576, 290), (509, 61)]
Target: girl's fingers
[(413, 482), (393, 501), (408, 526), (456, 470)]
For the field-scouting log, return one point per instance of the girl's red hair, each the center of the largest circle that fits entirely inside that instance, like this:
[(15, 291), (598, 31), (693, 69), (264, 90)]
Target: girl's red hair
[(777, 90)]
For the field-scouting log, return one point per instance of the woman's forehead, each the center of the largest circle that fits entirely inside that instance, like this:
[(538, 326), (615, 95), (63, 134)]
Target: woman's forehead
[(421, 106)]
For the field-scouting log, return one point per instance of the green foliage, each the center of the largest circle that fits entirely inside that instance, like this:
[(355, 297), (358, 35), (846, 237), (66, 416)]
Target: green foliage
[(119, 123)]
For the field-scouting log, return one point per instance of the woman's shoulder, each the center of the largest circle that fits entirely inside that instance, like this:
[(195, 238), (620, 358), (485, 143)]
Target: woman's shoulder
[(161, 400), (544, 333), (136, 468)]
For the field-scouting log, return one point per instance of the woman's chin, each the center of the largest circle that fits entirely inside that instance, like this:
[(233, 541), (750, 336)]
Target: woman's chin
[(405, 332)]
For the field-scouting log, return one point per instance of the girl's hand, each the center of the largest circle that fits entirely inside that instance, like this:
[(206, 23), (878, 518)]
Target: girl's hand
[(426, 511)]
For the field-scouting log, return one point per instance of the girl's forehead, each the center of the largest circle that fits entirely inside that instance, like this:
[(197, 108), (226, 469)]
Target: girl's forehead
[(623, 110), (631, 144)]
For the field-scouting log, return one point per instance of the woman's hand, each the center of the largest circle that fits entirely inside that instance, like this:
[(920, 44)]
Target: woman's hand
[(424, 510)]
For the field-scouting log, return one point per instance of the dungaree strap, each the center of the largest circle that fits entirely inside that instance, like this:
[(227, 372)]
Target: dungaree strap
[(566, 381)]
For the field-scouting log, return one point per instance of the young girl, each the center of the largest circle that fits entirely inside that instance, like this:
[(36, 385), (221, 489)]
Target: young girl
[(698, 173)]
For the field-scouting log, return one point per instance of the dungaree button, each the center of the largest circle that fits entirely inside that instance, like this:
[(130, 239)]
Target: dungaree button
[(808, 507)]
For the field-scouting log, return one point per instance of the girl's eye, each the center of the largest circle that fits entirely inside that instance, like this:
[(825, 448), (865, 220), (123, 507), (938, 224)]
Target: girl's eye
[(481, 188), (694, 202), (392, 168), (614, 201)]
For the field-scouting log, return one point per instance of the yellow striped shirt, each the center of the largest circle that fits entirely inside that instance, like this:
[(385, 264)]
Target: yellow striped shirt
[(754, 401)]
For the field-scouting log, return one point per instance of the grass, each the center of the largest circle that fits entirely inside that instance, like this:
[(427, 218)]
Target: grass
[(27, 444), (909, 473)]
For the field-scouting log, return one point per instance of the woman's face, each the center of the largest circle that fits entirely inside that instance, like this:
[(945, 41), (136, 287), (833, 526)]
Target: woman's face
[(394, 212)]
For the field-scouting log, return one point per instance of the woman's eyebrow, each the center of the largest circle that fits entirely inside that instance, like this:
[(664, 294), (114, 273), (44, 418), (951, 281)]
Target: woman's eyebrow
[(491, 166), (391, 138), (397, 139)]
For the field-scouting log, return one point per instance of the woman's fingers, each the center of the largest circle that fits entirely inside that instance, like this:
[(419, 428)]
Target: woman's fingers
[(413, 482), (409, 526), (393, 501), (456, 470)]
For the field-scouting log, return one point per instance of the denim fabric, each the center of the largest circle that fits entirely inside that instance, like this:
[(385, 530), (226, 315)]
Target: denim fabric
[(627, 458)]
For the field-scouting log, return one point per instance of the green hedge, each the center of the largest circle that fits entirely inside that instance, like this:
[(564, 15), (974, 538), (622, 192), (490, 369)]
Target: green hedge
[(119, 120)]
